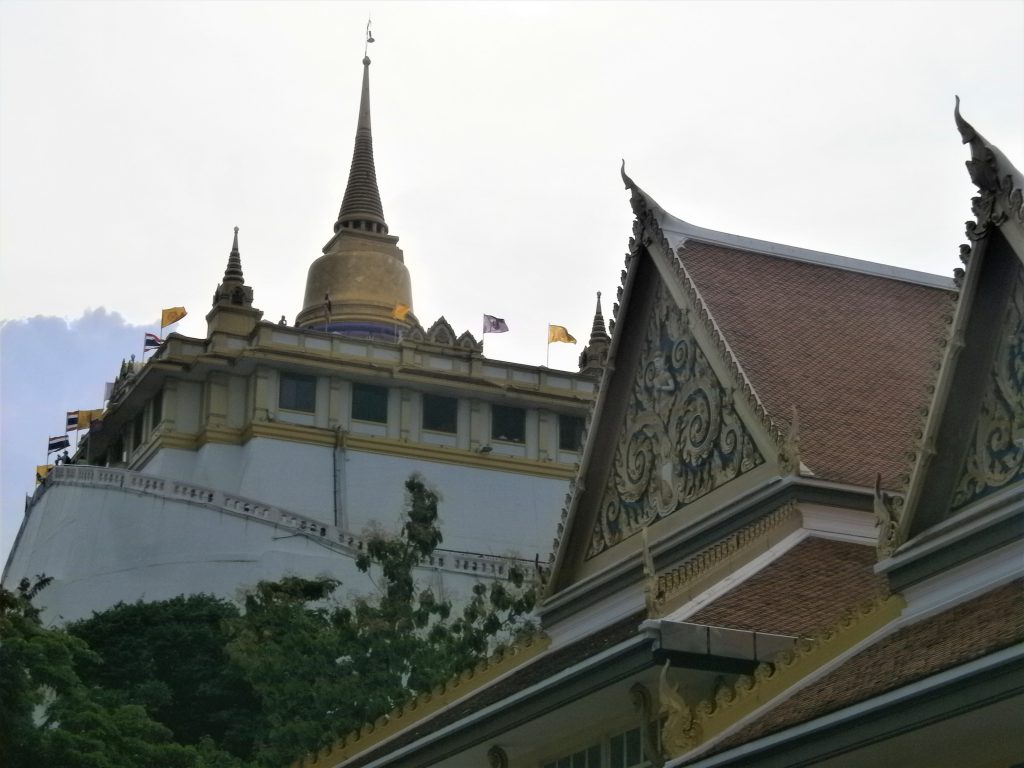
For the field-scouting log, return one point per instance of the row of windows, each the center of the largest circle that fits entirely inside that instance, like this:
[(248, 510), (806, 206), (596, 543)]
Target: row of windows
[(440, 413), (623, 751)]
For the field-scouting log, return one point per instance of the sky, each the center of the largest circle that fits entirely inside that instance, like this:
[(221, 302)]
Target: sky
[(135, 136)]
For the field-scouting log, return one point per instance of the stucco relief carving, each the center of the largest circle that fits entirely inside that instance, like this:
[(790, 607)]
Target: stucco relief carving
[(995, 457), (681, 437)]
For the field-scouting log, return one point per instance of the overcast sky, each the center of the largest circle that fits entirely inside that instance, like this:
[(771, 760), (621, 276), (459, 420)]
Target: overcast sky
[(134, 136)]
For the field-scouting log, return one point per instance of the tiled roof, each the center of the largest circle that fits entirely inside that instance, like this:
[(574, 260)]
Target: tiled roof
[(968, 631), (801, 593), (853, 352)]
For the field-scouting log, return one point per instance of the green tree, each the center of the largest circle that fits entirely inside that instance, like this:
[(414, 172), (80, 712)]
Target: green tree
[(185, 682), (49, 717), (171, 658), (322, 669)]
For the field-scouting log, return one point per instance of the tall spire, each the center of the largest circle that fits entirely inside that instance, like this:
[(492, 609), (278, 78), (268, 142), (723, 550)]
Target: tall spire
[(595, 354), (234, 269), (361, 207), (232, 288)]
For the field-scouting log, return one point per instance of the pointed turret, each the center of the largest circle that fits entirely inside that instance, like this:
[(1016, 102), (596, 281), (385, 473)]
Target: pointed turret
[(232, 312), (595, 354), (355, 287), (232, 289)]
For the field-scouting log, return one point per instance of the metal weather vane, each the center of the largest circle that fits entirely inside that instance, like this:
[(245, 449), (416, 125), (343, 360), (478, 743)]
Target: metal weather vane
[(369, 38)]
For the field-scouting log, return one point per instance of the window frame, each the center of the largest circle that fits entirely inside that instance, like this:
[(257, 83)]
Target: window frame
[(359, 392), (508, 410), (447, 402), (295, 401)]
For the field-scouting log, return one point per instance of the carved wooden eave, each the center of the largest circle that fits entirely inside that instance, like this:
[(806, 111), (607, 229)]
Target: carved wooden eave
[(989, 282), (653, 276)]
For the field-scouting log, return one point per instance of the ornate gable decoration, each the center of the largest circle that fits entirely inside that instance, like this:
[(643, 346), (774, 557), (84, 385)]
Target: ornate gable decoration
[(995, 456), (681, 437)]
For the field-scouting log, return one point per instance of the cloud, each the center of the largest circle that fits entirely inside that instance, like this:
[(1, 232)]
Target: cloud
[(49, 365)]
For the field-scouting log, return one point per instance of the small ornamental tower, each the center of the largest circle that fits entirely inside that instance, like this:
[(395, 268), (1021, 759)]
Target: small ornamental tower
[(233, 312), (595, 354), (361, 280)]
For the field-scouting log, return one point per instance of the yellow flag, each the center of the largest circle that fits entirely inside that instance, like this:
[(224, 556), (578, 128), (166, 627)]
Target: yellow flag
[(559, 333), (42, 470), (171, 315), (400, 311), (85, 418)]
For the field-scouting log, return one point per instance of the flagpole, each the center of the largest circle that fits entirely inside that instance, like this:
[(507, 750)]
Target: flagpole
[(547, 356)]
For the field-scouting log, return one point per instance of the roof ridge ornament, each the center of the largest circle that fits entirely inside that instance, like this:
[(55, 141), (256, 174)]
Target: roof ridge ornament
[(1000, 183)]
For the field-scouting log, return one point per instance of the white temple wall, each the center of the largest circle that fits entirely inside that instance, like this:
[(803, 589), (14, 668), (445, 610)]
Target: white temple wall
[(103, 546), (487, 511)]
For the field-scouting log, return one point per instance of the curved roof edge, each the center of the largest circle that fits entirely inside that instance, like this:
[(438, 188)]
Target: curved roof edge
[(678, 232)]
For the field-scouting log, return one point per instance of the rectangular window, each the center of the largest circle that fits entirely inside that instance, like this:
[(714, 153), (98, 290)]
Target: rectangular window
[(626, 750), (298, 393), (508, 424), (440, 414), (570, 433), (585, 758), (370, 403), (158, 409)]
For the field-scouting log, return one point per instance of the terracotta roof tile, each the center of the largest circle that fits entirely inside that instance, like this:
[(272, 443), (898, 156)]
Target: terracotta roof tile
[(968, 631), (801, 593), (854, 352)]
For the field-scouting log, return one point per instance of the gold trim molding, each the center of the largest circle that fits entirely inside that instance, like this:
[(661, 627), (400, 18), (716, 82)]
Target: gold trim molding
[(382, 445)]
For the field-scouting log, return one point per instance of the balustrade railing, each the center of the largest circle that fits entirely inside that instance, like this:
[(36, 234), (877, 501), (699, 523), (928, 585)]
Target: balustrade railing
[(336, 538)]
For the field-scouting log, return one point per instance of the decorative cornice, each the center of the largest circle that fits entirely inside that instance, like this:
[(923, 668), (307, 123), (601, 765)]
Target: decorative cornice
[(298, 433), (428, 704), (688, 727)]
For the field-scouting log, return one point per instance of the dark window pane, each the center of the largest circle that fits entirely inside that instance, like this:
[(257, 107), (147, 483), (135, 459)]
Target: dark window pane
[(594, 757), (440, 414), (298, 393), (137, 432), (370, 403), (618, 749), (158, 408), (508, 424), (579, 760), (570, 433), (633, 747)]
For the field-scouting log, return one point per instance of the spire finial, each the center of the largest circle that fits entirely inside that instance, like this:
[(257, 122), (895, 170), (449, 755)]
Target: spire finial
[(369, 39), (233, 273), (361, 208)]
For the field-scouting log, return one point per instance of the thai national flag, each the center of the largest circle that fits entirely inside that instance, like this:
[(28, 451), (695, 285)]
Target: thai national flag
[(152, 342), (58, 442), (72, 421)]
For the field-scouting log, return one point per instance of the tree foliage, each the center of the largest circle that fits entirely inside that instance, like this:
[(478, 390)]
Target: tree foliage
[(196, 682), (48, 716)]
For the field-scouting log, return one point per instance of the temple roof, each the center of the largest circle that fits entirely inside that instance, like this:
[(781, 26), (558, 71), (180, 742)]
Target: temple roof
[(854, 352), (968, 631), (802, 592)]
